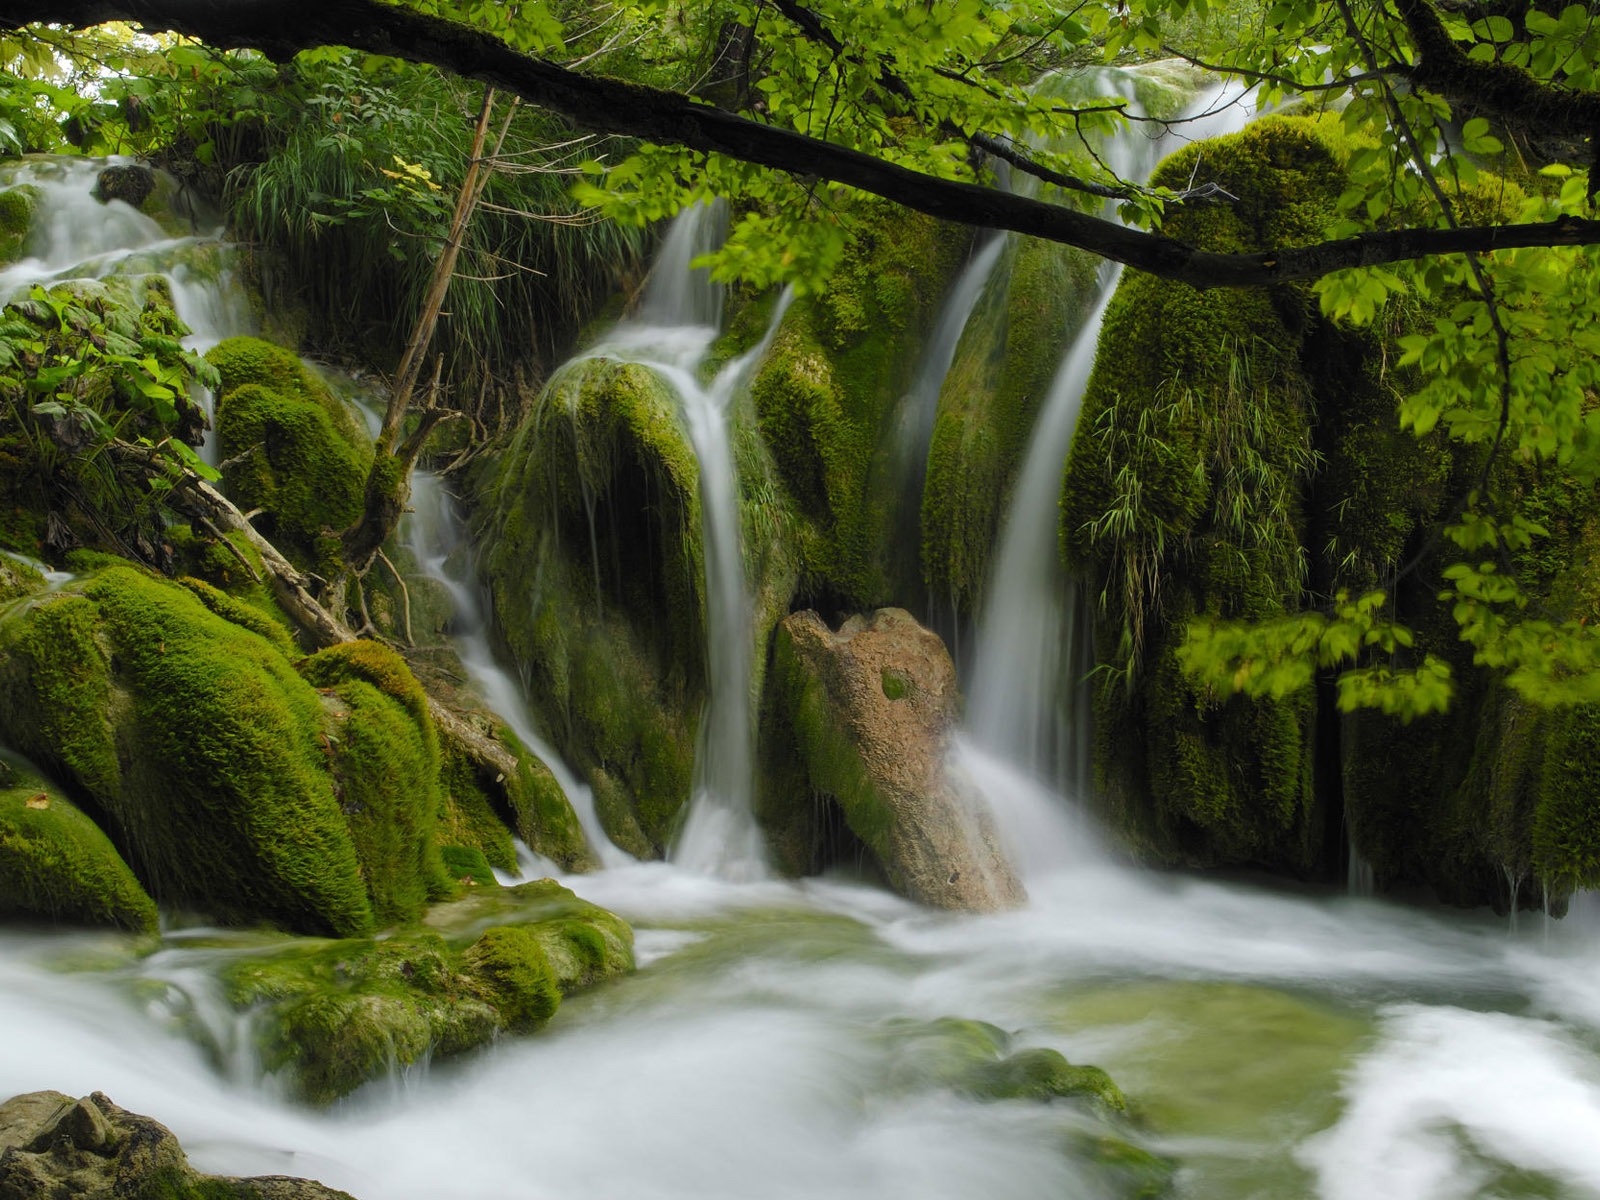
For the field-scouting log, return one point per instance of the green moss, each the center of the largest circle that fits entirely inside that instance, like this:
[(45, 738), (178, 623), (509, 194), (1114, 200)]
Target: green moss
[(594, 534), (1184, 495), (467, 865), (287, 457), (17, 206), (1566, 823), (467, 817), (510, 965), (988, 404), (56, 864), (335, 1015), (241, 613), (828, 394), (196, 738), (383, 756), (18, 579)]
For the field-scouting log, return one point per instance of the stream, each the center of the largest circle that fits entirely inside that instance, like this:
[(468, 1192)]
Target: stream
[(1275, 1041)]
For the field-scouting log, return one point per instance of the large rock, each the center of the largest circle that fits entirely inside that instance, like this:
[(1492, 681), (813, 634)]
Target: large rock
[(865, 716), (52, 1146)]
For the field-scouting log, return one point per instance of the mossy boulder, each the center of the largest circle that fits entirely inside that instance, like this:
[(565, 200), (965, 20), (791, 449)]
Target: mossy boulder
[(383, 759), (57, 865), (595, 563), (864, 717), (293, 449), (482, 808), (331, 1016), (216, 764), (827, 397), (1184, 496), (90, 1149), (131, 183), (17, 207)]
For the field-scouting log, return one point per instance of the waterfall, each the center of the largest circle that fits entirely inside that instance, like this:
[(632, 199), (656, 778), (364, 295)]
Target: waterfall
[(433, 532), (1027, 701), (914, 431), (672, 333), (77, 237)]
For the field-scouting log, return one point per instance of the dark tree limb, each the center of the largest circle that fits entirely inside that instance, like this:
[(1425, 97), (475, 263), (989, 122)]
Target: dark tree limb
[(283, 27)]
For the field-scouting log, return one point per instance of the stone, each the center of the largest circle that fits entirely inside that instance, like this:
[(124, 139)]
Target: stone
[(870, 711), (53, 1147), (132, 184)]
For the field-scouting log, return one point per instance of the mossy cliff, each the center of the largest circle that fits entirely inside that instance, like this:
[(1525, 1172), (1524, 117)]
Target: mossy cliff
[(226, 778), (595, 563), (1183, 496), (1238, 456), (330, 1016), (827, 398)]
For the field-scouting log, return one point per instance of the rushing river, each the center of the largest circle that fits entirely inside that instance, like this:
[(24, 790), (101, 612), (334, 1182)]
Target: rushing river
[(1278, 1045)]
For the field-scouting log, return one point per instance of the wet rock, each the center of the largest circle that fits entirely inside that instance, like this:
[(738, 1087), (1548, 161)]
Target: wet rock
[(53, 1147), (132, 184), (865, 715)]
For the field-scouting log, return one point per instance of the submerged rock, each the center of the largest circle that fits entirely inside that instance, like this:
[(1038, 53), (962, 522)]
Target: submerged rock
[(865, 716), (52, 1146)]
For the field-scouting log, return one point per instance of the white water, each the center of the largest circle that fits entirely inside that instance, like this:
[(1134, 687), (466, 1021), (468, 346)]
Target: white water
[(672, 333), (1033, 632), (74, 237), (433, 532)]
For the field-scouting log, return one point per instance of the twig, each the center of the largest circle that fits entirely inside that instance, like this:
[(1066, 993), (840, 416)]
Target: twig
[(405, 596)]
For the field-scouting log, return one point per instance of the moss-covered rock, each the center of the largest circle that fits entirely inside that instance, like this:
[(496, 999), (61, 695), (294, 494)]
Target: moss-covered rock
[(1183, 495), (383, 758), (56, 864), (331, 1016), (17, 206), (596, 568), (226, 779), (1036, 301), (831, 728), (827, 397), (294, 450)]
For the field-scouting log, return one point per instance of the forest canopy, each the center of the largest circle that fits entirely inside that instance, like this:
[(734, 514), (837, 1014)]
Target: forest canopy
[(1466, 229)]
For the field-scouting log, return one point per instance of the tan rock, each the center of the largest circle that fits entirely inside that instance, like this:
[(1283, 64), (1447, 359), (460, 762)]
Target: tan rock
[(52, 1146), (870, 711)]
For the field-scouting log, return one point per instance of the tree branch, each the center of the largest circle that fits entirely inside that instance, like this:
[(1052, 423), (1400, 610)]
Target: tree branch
[(282, 27)]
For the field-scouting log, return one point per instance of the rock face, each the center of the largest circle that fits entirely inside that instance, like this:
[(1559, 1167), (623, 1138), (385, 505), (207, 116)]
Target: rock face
[(53, 1147), (864, 716)]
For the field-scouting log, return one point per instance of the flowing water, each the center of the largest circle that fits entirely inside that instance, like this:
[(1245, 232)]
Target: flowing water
[(672, 333), (1034, 630), (76, 237), (782, 1040)]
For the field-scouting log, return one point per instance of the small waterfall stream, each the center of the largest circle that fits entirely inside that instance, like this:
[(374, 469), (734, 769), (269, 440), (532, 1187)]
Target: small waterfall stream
[(1033, 632), (75, 236), (672, 332), (434, 533)]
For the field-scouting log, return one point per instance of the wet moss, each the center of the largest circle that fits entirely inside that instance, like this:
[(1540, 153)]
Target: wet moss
[(383, 759), (988, 404), (509, 964), (17, 205), (467, 866), (57, 865), (827, 396), (1184, 495), (593, 525), (197, 740)]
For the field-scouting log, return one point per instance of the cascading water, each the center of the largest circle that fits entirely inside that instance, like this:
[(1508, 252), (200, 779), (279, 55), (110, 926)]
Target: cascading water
[(76, 236), (1277, 1045), (672, 333), (434, 534), (1033, 633)]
